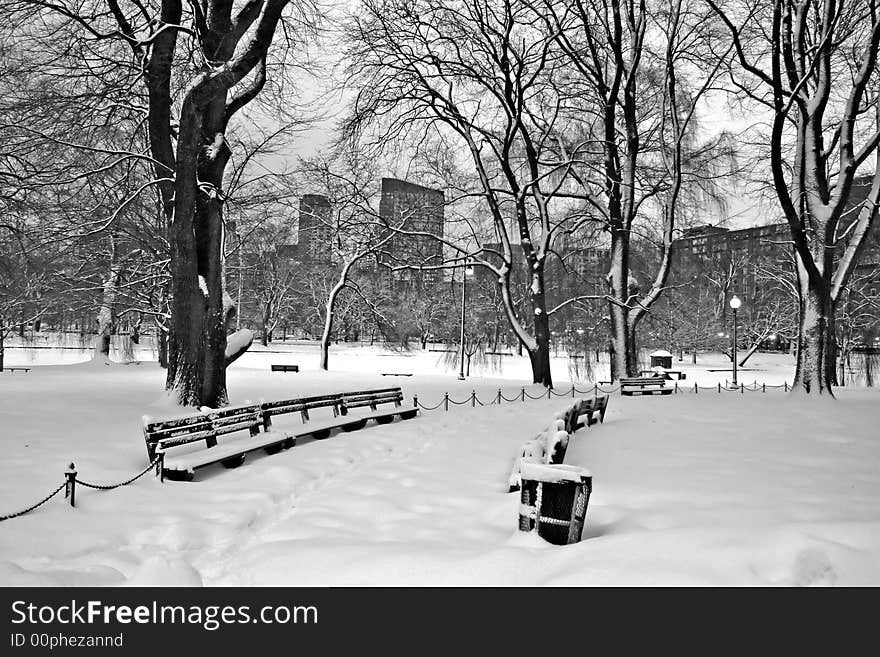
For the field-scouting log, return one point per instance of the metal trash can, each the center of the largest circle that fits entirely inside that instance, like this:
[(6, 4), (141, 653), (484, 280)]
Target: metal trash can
[(553, 501)]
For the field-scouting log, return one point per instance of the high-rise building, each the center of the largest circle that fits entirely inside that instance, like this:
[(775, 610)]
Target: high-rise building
[(315, 231), (410, 207)]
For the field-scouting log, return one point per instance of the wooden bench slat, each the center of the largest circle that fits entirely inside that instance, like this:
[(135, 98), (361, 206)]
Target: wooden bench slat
[(223, 451)]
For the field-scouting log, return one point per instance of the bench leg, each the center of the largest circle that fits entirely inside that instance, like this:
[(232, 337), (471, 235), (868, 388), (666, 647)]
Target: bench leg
[(233, 461), (388, 419), (179, 475), (355, 426), (273, 449)]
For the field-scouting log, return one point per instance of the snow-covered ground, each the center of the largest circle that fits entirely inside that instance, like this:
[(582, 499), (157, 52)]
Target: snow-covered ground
[(707, 489)]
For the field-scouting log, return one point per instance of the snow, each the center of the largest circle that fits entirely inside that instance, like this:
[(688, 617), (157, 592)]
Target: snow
[(239, 341), (714, 489), (553, 474), (662, 353)]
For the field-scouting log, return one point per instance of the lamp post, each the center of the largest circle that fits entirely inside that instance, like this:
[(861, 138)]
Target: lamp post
[(467, 271), (734, 303)]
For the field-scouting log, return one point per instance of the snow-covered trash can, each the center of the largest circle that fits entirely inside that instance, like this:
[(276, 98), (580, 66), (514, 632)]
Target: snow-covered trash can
[(553, 501)]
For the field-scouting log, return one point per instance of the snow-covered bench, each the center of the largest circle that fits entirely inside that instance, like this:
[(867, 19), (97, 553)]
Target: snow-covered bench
[(549, 446), (644, 386), (277, 367), (586, 407), (594, 405), (340, 404), (373, 398), (319, 428), (178, 439)]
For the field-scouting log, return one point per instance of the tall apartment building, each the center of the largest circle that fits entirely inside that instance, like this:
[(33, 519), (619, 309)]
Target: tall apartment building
[(315, 230), (407, 206)]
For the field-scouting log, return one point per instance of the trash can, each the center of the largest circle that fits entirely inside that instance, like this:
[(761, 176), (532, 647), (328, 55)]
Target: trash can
[(553, 501)]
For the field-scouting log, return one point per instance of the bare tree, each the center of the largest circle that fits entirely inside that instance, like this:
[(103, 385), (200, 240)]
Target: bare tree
[(190, 70), (638, 74), (813, 65), (482, 75)]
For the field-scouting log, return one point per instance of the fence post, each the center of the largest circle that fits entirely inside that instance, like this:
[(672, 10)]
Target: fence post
[(473, 398), (549, 390), (522, 394), (742, 388), (70, 486), (696, 389), (162, 467), (719, 386), (786, 385), (445, 401), (498, 397), (676, 388), (763, 387), (415, 401), (572, 391), (595, 389)]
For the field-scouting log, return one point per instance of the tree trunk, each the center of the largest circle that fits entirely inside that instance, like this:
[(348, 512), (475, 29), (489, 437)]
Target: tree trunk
[(330, 317), (105, 319), (749, 353), (623, 354), (816, 346), (540, 354), (540, 360), (197, 345), (136, 331), (162, 347), (264, 333), (624, 361)]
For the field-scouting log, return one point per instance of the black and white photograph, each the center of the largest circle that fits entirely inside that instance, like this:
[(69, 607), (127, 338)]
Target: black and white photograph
[(436, 293)]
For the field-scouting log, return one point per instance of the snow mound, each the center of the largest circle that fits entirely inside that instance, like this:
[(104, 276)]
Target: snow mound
[(812, 567), (161, 570)]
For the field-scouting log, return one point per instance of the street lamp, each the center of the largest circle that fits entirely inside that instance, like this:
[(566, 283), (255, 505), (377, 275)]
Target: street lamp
[(468, 271), (734, 303)]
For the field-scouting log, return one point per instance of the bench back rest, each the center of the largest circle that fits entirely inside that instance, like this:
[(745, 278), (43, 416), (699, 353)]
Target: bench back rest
[(571, 417), (371, 398), (302, 405), (650, 380), (161, 435)]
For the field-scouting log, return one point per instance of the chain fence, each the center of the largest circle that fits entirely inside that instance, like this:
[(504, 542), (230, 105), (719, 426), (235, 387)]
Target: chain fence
[(71, 480), (597, 389)]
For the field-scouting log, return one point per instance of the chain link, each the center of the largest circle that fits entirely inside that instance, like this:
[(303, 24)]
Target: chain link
[(35, 506), (124, 483)]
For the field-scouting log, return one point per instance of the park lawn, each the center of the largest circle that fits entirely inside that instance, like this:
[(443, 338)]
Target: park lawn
[(707, 489)]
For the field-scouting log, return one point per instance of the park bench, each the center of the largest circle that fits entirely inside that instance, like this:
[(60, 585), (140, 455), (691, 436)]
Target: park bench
[(14, 369), (373, 398), (666, 374), (591, 406), (340, 404), (586, 407), (178, 439), (314, 428), (285, 368), (396, 373), (644, 386)]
